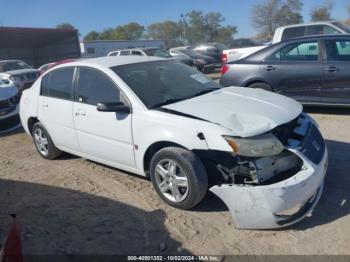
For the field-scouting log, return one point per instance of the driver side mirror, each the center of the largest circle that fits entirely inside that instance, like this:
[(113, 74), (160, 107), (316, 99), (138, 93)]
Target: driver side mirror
[(118, 107)]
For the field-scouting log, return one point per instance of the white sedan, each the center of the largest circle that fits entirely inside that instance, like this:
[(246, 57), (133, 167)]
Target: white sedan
[(154, 117)]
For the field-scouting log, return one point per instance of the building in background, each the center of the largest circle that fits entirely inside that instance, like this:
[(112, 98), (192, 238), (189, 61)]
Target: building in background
[(38, 46), (97, 48)]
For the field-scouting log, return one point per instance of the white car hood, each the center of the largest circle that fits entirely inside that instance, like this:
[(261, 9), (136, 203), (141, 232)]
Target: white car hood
[(7, 91), (244, 111)]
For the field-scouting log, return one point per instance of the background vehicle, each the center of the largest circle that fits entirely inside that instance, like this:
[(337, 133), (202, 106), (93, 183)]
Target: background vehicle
[(202, 63), (9, 109), (288, 32), (126, 112), (151, 51), (213, 50), (312, 70), (46, 67), (19, 73)]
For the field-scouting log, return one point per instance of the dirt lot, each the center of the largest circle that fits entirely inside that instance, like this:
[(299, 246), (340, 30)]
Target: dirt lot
[(75, 206)]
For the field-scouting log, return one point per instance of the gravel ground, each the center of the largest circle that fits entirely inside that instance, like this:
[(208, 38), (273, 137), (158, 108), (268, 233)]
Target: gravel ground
[(75, 206)]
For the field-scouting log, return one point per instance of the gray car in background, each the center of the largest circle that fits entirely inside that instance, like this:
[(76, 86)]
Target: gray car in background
[(312, 70)]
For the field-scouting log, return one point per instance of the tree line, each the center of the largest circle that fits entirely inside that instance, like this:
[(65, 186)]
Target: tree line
[(197, 27)]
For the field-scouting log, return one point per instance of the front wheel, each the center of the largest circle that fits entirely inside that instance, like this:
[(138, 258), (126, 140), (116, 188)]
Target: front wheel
[(178, 177)]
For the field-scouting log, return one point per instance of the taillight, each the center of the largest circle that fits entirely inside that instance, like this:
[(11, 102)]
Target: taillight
[(224, 58), (224, 69)]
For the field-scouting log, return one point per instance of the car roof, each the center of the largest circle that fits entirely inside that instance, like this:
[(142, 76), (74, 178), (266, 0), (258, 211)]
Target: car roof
[(111, 61), (308, 24), (312, 37)]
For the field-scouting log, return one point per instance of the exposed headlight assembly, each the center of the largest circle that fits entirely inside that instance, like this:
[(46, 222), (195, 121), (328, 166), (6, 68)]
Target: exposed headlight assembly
[(257, 146)]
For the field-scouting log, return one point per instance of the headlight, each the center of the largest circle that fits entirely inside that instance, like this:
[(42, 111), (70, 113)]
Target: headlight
[(16, 78), (258, 146)]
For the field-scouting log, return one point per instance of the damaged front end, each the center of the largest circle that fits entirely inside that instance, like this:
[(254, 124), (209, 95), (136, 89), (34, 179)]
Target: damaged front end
[(275, 190)]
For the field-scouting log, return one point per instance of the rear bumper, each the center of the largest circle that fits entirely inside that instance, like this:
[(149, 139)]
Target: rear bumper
[(263, 207)]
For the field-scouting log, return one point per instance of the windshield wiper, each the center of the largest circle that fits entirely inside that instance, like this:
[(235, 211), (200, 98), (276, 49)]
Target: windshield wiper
[(167, 102), (174, 100), (203, 92)]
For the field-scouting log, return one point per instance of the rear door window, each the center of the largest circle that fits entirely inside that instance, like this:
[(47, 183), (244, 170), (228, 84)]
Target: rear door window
[(338, 50), (59, 84)]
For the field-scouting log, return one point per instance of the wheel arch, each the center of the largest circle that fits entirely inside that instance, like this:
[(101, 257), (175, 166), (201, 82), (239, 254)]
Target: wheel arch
[(250, 82), (31, 122), (154, 148)]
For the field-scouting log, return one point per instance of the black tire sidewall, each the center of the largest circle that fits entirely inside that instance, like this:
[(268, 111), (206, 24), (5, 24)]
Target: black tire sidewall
[(196, 175)]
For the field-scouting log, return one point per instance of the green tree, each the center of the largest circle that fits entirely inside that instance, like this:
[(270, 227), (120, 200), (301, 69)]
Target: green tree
[(92, 35), (275, 13), (65, 26), (131, 31), (200, 28), (169, 31), (323, 12)]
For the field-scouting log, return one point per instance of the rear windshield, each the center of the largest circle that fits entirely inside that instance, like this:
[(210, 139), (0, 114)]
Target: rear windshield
[(159, 83), (13, 65), (342, 26)]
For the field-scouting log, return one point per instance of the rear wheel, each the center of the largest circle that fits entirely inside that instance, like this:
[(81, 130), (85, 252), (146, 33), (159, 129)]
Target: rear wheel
[(43, 142), (261, 85), (178, 177)]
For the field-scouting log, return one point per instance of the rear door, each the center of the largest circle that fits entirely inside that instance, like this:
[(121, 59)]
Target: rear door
[(296, 71), (336, 68), (56, 105)]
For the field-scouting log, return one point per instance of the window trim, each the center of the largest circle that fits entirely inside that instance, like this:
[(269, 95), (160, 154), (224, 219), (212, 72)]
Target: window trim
[(49, 75), (76, 91)]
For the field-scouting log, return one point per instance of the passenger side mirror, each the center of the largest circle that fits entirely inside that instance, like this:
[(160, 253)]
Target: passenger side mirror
[(118, 107)]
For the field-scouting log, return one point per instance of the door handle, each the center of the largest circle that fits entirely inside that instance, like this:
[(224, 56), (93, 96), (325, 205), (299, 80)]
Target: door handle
[(45, 104), (332, 69), (270, 68), (80, 113)]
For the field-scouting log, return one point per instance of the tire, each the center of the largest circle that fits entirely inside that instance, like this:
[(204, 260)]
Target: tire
[(261, 85), (187, 167), (43, 142)]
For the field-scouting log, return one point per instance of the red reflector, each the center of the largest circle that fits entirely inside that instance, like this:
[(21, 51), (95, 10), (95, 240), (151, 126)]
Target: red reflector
[(224, 58), (224, 69)]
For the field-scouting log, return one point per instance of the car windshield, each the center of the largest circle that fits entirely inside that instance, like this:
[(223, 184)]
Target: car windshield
[(342, 26), (160, 83), (189, 52), (13, 65), (157, 52)]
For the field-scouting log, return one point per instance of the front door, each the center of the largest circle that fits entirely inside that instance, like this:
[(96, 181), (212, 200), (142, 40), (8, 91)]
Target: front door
[(336, 68), (296, 71), (102, 136)]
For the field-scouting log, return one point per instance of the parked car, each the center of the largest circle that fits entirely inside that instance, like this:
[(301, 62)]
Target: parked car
[(202, 63), (312, 70), (256, 150), (18, 73), (151, 51), (213, 50), (288, 32), (9, 108)]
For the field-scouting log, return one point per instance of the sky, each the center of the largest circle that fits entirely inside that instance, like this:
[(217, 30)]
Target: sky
[(87, 15)]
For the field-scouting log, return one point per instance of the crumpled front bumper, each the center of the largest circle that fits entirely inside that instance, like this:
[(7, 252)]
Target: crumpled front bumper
[(260, 207)]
